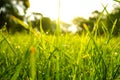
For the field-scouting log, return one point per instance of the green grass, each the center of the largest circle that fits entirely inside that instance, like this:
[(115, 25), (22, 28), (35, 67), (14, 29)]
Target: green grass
[(60, 57), (64, 57)]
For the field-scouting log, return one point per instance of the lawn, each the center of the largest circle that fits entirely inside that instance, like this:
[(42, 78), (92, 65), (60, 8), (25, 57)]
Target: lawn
[(63, 57)]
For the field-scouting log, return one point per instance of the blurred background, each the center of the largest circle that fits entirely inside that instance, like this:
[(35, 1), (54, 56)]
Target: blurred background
[(20, 15)]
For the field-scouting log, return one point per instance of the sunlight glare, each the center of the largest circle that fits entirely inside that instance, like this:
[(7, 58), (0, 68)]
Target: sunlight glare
[(46, 7), (68, 8)]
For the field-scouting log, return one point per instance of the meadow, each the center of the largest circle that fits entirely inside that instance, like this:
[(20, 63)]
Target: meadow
[(64, 57), (57, 56)]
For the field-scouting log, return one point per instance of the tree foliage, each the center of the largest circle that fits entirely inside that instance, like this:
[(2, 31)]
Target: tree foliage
[(36, 19), (13, 11), (106, 20), (115, 15), (15, 8)]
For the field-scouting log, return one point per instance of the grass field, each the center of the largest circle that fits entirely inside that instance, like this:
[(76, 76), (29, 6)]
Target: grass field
[(40, 56), (63, 57)]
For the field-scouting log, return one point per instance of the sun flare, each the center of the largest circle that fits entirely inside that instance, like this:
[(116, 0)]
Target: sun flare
[(68, 8)]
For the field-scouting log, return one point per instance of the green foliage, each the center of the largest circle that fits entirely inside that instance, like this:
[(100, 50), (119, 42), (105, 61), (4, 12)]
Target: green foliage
[(44, 23), (40, 23), (101, 20), (61, 57), (64, 57), (117, 0), (111, 18), (79, 21), (10, 8)]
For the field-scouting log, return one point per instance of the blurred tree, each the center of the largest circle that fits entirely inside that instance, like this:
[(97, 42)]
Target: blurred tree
[(117, 0), (105, 21), (78, 21), (91, 22), (114, 15), (16, 8), (46, 24), (96, 21), (35, 19)]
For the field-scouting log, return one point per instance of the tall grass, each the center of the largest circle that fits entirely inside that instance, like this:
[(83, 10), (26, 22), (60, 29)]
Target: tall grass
[(60, 57), (65, 57)]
